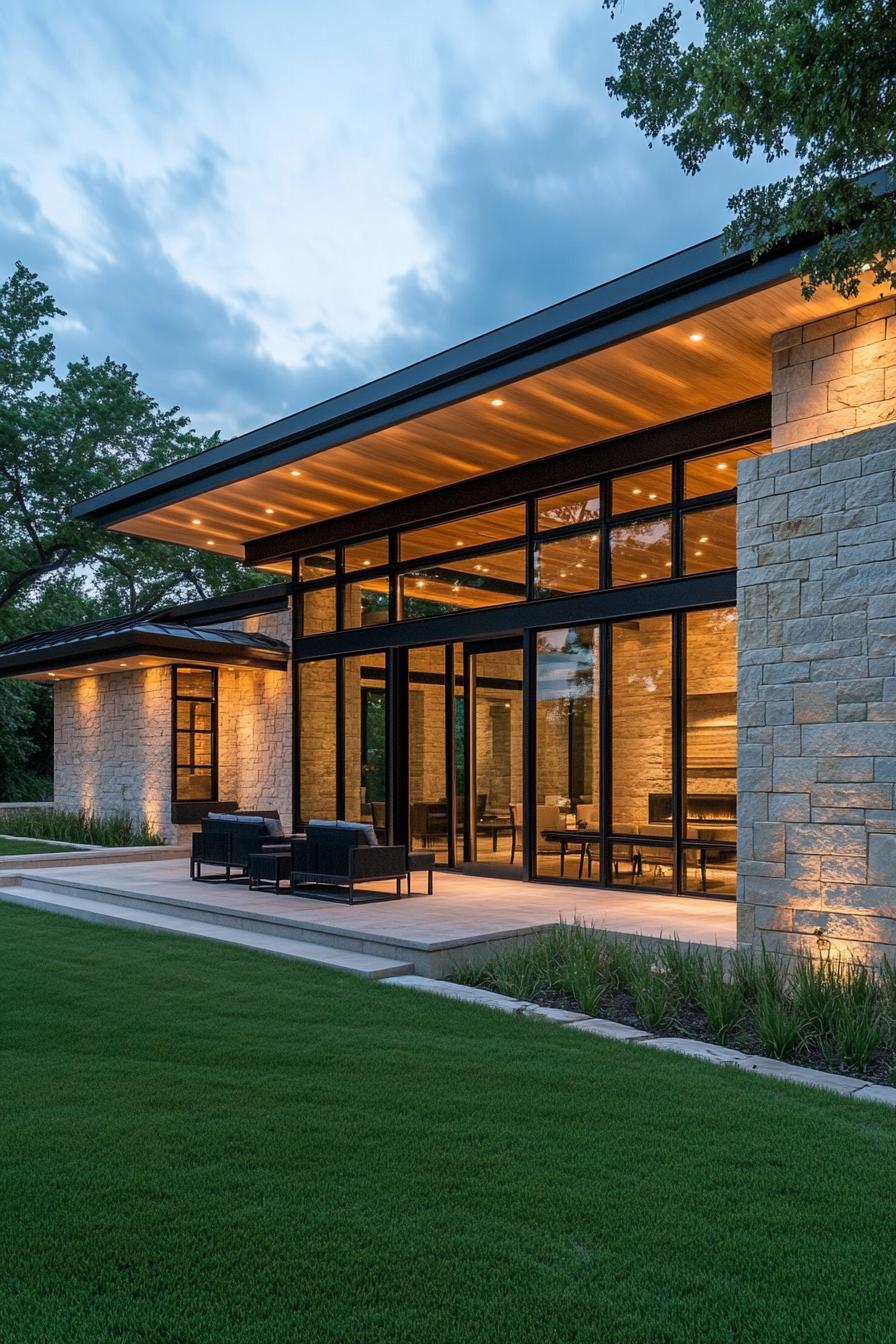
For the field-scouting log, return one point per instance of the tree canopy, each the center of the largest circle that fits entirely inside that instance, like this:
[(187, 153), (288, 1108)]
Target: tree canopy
[(66, 435), (811, 83)]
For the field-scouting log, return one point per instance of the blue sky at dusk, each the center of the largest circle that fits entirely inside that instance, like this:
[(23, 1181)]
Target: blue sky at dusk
[(256, 206)]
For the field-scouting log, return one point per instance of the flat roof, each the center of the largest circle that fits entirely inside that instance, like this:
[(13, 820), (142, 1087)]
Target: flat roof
[(611, 360)]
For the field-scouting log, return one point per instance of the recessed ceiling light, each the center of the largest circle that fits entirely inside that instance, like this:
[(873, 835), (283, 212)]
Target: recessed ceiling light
[(295, 473), (721, 466), (209, 542), (366, 562), (51, 674), (122, 664), (653, 496), (668, 564), (485, 569), (643, 576), (704, 540), (637, 490), (563, 574), (698, 552), (695, 336), (90, 669), (420, 583), (269, 510), (196, 521), (579, 564), (496, 401)]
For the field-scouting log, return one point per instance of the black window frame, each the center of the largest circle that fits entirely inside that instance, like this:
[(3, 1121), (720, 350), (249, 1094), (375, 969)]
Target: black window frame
[(177, 731)]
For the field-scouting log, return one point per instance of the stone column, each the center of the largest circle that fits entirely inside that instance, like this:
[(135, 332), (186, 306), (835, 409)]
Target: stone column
[(817, 646)]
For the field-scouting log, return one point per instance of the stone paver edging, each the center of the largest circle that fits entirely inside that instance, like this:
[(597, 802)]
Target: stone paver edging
[(706, 1051)]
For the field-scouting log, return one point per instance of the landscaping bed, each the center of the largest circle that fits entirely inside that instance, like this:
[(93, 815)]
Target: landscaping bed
[(828, 1014), (113, 830)]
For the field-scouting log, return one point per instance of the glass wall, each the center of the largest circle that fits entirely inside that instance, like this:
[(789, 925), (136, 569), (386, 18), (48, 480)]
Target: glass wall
[(641, 718), (567, 755), (317, 740), (365, 739), (428, 724), (710, 750), (496, 728), (660, 522)]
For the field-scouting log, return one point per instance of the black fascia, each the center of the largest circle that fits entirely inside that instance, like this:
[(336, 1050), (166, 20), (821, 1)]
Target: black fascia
[(688, 282), (742, 421), (232, 606), (134, 643)]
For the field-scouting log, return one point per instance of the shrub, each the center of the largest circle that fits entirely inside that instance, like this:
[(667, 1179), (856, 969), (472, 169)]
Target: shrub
[(686, 967), (722, 1000), (744, 971), (655, 997), (858, 1033), (83, 827), (775, 1024), (518, 972)]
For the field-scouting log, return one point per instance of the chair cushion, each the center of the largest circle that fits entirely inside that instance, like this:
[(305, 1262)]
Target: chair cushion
[(273, 826), (366, 834), (218, 816), (243, 820)]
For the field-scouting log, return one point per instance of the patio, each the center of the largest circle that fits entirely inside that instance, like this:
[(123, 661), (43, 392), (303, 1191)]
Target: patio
[(466, 916)]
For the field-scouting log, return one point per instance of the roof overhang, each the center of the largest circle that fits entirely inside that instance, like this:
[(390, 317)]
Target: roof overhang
[(615, 360), (134, 649)]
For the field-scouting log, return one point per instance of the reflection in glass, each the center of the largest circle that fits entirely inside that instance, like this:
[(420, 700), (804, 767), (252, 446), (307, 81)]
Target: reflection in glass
[(427, 755), (641, 552), (645, 489), (567, 760), (317, 740), (497, 725), (366, 554), (710, 539), (317, 565), (318, 610), (365, 737), (478, 529), (641, 716), (710, 748), (478, 581), (581, 505), (718, 471), (570, 565), (366, 603)]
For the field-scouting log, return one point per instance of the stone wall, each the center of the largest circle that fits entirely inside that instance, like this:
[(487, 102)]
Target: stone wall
[(816, 677), (112, 745), (835, 376), (112, 736)]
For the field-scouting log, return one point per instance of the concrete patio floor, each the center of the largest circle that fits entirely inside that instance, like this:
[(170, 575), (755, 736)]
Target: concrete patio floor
[(465, 915)]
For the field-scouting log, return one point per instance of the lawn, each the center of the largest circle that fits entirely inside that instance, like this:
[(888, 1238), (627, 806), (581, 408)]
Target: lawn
[(204, 1144), (28, 847)]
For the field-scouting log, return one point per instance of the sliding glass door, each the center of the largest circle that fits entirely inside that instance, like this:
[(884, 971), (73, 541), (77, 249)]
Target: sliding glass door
[(495, 740)]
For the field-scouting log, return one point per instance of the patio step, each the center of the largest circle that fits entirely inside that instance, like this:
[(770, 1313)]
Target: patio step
[(304, 926), (107, 911)]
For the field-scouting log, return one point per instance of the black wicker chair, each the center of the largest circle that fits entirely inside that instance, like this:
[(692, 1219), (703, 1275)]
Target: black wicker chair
[(336, 854), (227, 842)]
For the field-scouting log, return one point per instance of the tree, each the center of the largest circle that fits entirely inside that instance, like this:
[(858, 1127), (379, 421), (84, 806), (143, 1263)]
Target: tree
[(63, 438), (810, 82)]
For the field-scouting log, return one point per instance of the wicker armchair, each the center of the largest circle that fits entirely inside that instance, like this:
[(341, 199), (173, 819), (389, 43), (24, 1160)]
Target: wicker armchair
[(227, 842), (345, 854)]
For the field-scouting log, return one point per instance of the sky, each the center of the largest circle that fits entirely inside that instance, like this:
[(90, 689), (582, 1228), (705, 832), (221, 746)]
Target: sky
[(257, 206)]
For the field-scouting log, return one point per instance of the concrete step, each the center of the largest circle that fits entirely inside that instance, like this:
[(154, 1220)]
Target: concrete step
[(107, 911), (306, 926)]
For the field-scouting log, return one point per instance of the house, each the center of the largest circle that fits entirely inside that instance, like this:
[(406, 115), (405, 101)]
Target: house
[(607, 595)]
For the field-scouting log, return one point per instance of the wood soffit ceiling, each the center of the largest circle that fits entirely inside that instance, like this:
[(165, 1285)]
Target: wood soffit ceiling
[(659, 376)]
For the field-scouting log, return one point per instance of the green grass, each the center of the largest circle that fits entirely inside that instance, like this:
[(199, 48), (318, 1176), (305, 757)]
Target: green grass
[(204, 1144), (28, 847), (80, 827)]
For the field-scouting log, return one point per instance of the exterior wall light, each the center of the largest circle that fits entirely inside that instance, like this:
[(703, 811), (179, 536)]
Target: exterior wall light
[(822, 941)]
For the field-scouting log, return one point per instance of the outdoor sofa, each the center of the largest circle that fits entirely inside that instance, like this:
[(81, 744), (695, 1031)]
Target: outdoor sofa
[(345, 854), (227, 840)]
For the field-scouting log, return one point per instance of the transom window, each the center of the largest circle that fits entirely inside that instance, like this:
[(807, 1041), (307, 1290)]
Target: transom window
[(662, 521)]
